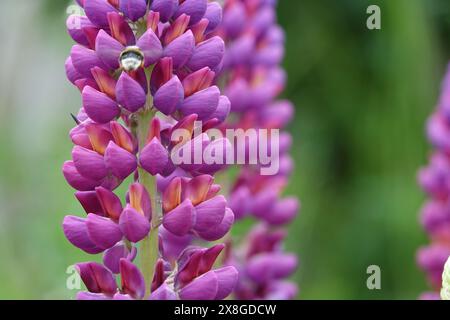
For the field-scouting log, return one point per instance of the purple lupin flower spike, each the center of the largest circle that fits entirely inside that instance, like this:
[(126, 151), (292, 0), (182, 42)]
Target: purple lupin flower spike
[(144, 70), (253, 79), (263, 265), (435, 181)]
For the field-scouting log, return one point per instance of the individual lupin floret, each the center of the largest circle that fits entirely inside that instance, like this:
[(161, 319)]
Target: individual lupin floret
[(108, 222)]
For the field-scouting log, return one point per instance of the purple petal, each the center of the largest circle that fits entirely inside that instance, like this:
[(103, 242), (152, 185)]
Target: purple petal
[(276, 35), (134, 225), (72, 74), (263, 20), (223, 109), (108, 49), (172, 245), (163, 182), (133, 282), (180, 220), (112, 256), (169, 169), (97, 10), (84, 60), (220, 231), (110, 203), (140, 200), (166, 8), (160, 273), (133, 9), (286, 165), (76, 232), (210, 213), (75, 24), (169, 96), (207, 54), (270, 55), (438, 131), (209, 258), (76, 180), (188, 266), (123, 297), (205, 287), (120, 161), (434, 215), (214, 16), (89, 163), (97, 278), (227, 280), (282, 290), (104, 232), (111, 182), (237, 92), (151, 47), (89, 202), (240, 51), (99, 135), (82, 83), (186, 155), (88, 296), (235, 19), (284, 211), (198, 80), (285, 266), (163, 293), (264, 201), (120, 29), (99, 106), (79, 136), (162, 72), (202, 103), (123, 137), (285, 142), (197, 189), (215, 155), (82, 116), (154, 157), (194, 8), (266, 267), (238, 202), (278, 114), (130, 93), (181, 49)]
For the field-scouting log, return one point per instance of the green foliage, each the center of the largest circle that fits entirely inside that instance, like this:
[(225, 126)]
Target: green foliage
[(362, 98)]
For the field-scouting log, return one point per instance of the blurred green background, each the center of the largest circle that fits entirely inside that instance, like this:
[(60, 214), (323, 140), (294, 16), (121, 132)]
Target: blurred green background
[(362, 98)]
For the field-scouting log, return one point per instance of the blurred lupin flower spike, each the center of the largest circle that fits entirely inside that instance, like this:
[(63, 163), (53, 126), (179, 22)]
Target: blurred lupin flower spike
[(253, 78)]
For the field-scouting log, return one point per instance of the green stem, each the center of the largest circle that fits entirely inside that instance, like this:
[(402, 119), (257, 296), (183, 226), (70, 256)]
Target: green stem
[(149, 247), (149, 250)]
